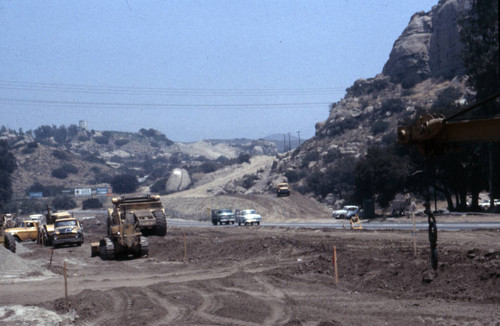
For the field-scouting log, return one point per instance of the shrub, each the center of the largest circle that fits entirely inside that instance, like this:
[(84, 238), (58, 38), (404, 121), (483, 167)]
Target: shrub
[(121, 142), (28, 150), (59, 173), (102, 140), (32, 145), (124, 183), (159, 186), (379, 126), (91, 203), (60, 155), (249, 180), (70, 168), (63, 202)]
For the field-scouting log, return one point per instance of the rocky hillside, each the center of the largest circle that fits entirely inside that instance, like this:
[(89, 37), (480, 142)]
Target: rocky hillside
[(60, 158), (424, 70)]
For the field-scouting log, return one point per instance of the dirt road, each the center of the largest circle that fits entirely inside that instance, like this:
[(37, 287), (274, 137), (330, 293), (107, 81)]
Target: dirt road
[(261, 276)]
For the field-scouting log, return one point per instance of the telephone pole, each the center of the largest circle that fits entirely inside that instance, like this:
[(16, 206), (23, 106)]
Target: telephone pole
[(298, 133)]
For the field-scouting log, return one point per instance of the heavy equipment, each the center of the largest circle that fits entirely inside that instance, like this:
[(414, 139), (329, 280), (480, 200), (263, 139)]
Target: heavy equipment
[(147, 212), (434, 134), (124, 237), (47, 229), (283, 189)]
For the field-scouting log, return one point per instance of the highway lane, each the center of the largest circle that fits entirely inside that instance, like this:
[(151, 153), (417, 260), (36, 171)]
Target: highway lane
[(371, 225)]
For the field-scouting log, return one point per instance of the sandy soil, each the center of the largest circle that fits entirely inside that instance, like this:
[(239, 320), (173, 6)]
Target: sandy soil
[(230, 275)]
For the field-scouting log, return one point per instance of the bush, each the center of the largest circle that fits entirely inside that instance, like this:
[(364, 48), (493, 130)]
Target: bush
[(124, 183), (102, 140), (63, 202), (59, 173), (292, 176), (159, 186), (60, 155), (121, 142), (69, 168), (379, 126), (32, 145), (249, 180), (91, 203), (28, 150)]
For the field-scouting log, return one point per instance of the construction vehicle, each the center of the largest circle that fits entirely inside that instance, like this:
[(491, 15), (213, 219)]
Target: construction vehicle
[(26, 231), (124, 237), (355, 222), (47, 228), (283, 189), (67, 231), (434, 134), (7, 221), (147, 211)]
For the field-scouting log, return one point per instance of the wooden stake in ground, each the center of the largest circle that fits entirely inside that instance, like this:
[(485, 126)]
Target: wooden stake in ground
[(414, 234), (334, 260), (66, 287), (185, 247), (51, 254)]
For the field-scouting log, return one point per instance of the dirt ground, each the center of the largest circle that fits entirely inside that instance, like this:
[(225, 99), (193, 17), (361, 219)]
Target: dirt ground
[(255, 275)]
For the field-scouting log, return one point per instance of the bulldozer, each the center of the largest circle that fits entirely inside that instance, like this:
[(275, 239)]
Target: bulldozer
[(124, 238), (147, 212)]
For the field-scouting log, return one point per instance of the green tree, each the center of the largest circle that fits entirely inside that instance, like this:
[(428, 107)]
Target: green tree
[(124, 183), (479, 35), (380, 175), (7, 166)]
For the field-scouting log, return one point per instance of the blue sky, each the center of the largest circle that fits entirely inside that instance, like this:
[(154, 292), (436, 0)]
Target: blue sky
[(191, 69)]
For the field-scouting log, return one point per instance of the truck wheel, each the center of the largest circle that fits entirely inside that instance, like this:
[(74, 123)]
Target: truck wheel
[(214, 222), (161, 224), (10, 242), (258, 223)]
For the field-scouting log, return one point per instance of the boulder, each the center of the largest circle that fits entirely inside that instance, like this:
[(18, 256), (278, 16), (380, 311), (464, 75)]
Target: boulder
[(178, 180)]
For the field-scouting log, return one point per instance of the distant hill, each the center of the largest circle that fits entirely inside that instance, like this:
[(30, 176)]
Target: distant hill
[(61, 159)]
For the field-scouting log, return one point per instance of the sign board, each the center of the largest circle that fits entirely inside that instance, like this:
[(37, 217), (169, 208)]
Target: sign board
[(36, 194), (101, 191), (83, 192)]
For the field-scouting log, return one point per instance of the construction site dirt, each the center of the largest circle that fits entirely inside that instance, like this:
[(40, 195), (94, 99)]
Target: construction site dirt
[(257, 275)]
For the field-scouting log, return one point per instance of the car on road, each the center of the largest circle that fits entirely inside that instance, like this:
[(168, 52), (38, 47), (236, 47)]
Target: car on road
[(248, 216), (346, 212), (222, 216)]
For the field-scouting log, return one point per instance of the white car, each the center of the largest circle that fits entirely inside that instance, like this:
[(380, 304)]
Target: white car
[(346, 212), (248, 216)]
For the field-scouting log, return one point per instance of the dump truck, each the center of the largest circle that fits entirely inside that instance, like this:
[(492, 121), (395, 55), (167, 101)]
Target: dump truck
[(124, 238), (147, 212)]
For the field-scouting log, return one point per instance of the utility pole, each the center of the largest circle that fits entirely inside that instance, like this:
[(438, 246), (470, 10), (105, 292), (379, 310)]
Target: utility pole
[(289, 142), (298, 133), (284, 143)]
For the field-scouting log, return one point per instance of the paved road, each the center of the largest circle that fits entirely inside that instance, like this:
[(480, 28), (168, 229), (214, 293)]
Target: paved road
[(451, 226)]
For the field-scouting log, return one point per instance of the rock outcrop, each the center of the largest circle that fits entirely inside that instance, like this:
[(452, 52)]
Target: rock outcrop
[(429, 46)]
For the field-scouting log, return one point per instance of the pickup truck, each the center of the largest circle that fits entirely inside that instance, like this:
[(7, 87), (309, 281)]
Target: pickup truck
[(67, 231), (222, 216)]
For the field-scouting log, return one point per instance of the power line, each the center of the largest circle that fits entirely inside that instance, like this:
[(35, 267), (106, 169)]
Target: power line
[(87, 89), (161, 105)]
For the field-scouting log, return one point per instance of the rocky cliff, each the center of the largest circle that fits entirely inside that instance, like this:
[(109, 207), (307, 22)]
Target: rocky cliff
[(424, 69)]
